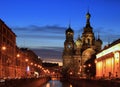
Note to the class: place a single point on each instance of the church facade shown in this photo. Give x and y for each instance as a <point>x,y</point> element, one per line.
<point>77,52</point>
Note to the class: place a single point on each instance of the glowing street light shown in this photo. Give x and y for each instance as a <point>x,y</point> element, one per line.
<point>35,64</point>
<point>71,73</point>
<point>84,66</point>
<point>18,55</point>
<point>89,65</point>
<point>26,60</point>
<point>3,48</point>
<point>95,61</point>
<point>31,63</point>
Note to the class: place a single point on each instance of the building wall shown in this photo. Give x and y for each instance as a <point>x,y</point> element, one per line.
<point>7,52</point>
<point>108,62</point>
<point>12,65</point>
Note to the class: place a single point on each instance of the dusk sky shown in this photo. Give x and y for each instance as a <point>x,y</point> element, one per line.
<point>42,23</point>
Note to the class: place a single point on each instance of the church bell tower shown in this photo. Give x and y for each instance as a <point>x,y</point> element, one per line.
<point>88,38</point>
<point>68,48</point>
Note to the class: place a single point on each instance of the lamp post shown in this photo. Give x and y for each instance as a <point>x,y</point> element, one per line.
<point>16,64</point>
<point>3,48</point>
<point>26,60</point>
<point>5,61</point>
<point>8,61</point>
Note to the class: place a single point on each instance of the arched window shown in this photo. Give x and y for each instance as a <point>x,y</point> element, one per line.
<point>88,42</point>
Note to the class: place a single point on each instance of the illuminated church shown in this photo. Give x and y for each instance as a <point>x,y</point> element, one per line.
<point>77,52</point>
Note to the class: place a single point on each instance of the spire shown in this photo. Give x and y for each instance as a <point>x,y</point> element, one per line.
<point>99,38</point>
<point>79,36</point>
<point>69,28</point>
<point>69,23</point>
<point>98,35</point>
<point>88,27</point>
<point>88,19</point>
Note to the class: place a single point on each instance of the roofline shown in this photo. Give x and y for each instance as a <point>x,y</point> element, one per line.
<point>7,26</point>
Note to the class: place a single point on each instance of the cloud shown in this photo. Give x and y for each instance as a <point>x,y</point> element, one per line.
<point>50,52</point>
<point>49,36</point>
<point>52,60</point>
<point>60,49</point>
<point>54,32</point>
<point>36,29</point>
<point>45,36</point>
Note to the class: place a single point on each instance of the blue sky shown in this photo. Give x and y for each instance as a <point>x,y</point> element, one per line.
<point>42,23</point>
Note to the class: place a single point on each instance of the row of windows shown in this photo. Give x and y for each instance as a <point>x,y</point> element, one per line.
<point>6,60</point>
<point>20,63</point>
<point>8,42</point>
<point>7,33</point>
<point>9,61</point>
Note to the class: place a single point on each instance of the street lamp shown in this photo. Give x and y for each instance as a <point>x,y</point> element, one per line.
<point>17,63</point>
<point>18,55</point>
<point>3,48</point>
<point>89,65</point>
<point>7,62</point>
<point>84,66</point>
<point>31,63</point>
<point>26,60</point>
<point>35,64</point>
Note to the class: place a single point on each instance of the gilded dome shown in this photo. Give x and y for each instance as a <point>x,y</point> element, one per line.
<point>88,15</point>
<point>78,42</point>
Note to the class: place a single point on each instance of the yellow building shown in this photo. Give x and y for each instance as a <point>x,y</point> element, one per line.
<point>108,61</point>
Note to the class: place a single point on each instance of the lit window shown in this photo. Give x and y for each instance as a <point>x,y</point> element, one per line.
<point>116,55</point>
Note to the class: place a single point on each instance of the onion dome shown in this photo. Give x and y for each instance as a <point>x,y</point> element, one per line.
<point>78,42</point>
<point>69,30</point>
<point>88,27</point>
<point>99,40</point>
<point>88,15</point>
<point>88,20</point>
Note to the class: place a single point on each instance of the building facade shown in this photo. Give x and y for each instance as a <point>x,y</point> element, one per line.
<point>7,50</point>
<point>32,63</point>
<point>108,61</point>
<point>16,62</point>
<point>76,53</point>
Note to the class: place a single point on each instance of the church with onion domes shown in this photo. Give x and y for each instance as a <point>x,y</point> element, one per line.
<point>77,52</point>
